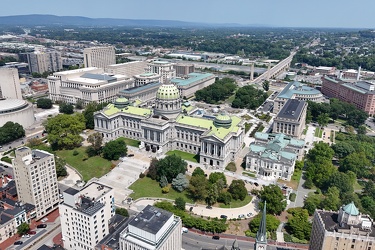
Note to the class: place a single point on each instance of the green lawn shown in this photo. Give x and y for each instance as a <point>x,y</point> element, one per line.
<point>131,142</point>
<point>184,155</point>
<point>231,167</point>
<point>147,187</point>
<point>237,203</point>
<point>230,98</point>
<point>247,126</point>
<point>88,167</point>
<point>318,132</point>
<point>305,130</point>
<point>249,174</point>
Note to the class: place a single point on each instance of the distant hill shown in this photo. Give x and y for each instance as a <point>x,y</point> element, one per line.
<point>35,20</point>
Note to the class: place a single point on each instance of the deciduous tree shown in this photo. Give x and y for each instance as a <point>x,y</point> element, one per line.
<point>170,166</point>
<point>114,149</point>
<point>276,202</point>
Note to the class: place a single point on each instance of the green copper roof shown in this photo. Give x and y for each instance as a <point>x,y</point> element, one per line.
<point>111,110</point>
<point>192,78</point>
<point>219,132</point>
<point>168,92</point>
<point>351,209</point>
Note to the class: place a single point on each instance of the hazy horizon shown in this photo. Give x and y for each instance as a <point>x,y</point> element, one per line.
<point>273,13</point>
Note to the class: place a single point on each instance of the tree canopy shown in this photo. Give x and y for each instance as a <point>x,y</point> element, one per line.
<point>276,202</point>
<point>88,113</point>
<point>298,224</point>
<point>113,150</point>
<point>238,190</point>
<point>11,131</point>
<point>249,97</point>
<point>218,91</point>
<point>63,130</point>
<point>170,166</point>
<point>180,183</point>
<point>271,223</point>
<point>44,103</point>
<point>66,108</point>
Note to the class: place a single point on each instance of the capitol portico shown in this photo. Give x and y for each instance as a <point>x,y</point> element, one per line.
<point>166,127</point>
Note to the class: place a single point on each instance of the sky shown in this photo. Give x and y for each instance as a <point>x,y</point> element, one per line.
<point>276,13</point>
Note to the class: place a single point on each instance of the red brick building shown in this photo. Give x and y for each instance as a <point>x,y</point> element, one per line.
<point>360,93</point>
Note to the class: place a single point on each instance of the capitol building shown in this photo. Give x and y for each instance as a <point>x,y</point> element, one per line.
<point>169,126</point>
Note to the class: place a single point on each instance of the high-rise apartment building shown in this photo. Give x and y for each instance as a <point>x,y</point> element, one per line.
<point>43,61</point>
<point>10,84</point>
<point>152,229</point>
<point>99,57</point>
<point>163,68</point>
<point>85,215</point>
<point>36,181</point>
<point>346,229</point>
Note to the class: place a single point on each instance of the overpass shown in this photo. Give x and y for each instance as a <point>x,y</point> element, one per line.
<point>276,70</point>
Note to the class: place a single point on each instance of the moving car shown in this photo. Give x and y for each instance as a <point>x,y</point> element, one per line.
<point>216,237</point>
<point>209,207</point>
<point>223,216</point>
<point>41,226</point>
<point>18,242</point>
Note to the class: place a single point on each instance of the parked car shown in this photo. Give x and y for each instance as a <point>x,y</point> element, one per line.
<point>216,237</point>
<point>41,226</point>
<point>209,207</point>
<point>31,232</point>
<point>241,216</point>
<point>184,230</point>
<point>18,242</point>
<point>250,215</point>
<point>223,216</point>
<point>130,155</point>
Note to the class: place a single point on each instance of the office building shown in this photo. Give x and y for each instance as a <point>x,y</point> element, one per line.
<point>272,156</point>
<point>99,57</point>
<point>145,94</point>
<point>10,87</point>
<point>36,181</point>
<point>184,69</point>
<point>163,68</point>
<point>86,85</point>
<point>128,69</point>
<point>360,93</point>
<point>346,229</point>
<point>165,127</point>
<point>193,82</point>
<point>298,91</point>
<point>291,120</point>
<point>85,215</point>
<point>152,229</point>
<point>146,78</point>
<point>44,61</point>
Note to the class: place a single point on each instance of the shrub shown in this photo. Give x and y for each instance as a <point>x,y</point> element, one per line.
<point>141,175</point>
<point>165,190</point>
<point>75,152</point>
<point>6,159</point>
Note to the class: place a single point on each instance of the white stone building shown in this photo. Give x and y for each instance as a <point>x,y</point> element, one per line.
<point>16,110</point>
<point>36,180</point>
<point>192,83</point>
<point>163,68</point>
<point>99,57</point>
<point>146,78</point>
<point>86,85</point>
<point>85,214</point>
<point>168,127</point>
<point>272,156</point>
<point>128,69</point>
<point>152,229</point>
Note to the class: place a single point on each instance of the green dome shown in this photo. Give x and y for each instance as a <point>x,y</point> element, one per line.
<point>121,102</point>
<point>351,209</point>
<point>168,92</point>
<point>223,120</point>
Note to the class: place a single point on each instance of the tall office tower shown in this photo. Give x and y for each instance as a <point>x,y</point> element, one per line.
<point>43,61</point>
<point>85,214</point>
<point>99,57</point>
<point>152,229</point>
<point>346,229</point>
<point>10,84</point>
<point>184,69</point>
<point>36,181</point>
<point>163,68</point>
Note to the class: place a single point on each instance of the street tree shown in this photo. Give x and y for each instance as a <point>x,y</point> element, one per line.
<point>23,228</point>
<point>323,119</point>
<point>276,202</point>
<point>113,150</point>
<point>63,131</point>
<point>272,223</point>
<point>44,103</point>
<point>266,85</point>
<point>180,183</point>
<point>122,211</point>
<point>170,166</point>
<point>298,224</point>
<point>238,190</point>
<point>180,203</point>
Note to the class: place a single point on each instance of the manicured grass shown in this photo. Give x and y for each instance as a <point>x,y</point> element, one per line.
<point>249,174</point>
<point>246,117</point>
<point>293,183</point>
<point>305,130</point>
<point>357,186</point>
<point>231,167</point>
<point>184,155</point>
<point>88,167</point>
<point>269,92</point>
<point>260,129</point>
<point>146,187</point>
<point>237,203</point>
<point>131,142</point>
<point>231,98</point>
<point>247,126</point>
<point>318,132</point>
<point>332,136</point>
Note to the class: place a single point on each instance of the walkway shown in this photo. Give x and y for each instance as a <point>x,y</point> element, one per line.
<point>72,177</point>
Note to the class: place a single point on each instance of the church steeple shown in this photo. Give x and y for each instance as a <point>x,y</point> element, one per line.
<point>261,240</point>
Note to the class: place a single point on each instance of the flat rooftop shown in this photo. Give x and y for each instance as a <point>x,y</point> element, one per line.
<point>95,190</point>
<point>151,219</point>
<point>292,109</point>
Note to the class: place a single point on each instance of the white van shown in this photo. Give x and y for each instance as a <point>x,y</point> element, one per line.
<point>184,230</point>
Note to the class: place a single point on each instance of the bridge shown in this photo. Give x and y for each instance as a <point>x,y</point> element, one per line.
<point>276,70</point>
